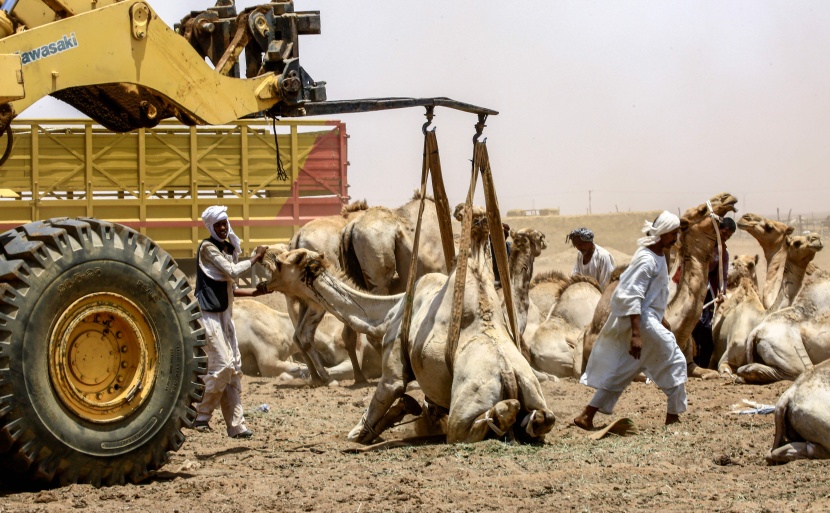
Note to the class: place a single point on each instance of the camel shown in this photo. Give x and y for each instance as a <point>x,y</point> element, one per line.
<point>376,248</point>
<point>791,340</point>
<point>802,419</point>
<point>772,236</point>
<point>744,312</point>
<point>323,236</point>
<point>545,289</point>
<point>552,347</point>
<point>737,315</point>
<point>527,245</point>
<point>588,336</point>
<point>696,244</point>
<point>266,344</point>
<point>488,386</point>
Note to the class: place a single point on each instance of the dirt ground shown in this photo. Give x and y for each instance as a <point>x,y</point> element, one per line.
<point>712,461</point>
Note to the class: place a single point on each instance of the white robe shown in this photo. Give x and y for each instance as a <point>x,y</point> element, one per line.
<point>599,266</point>
<point>643,290</point>
<point>223,380</point>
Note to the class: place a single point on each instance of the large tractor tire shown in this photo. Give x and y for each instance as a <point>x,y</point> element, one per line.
<point>100,353</point>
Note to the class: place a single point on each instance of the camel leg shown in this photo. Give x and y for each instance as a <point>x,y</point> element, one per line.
<point>406,405</point>
<point>282,369</point>
<point>391,386</point>
<point>350,341</point>
<point>760,374</point>
<point>694,371</point>
<point>304,332</point>
<point>498,419</point>
<point>797,451</point>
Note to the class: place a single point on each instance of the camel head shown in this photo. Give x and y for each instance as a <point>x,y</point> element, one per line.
<point>722,204</point>
<point>528,241</point>
<point>801,249</point>
<point>293,269</point>
<point>742,266</point>
<point>767,232</point>
<point>481,230</point>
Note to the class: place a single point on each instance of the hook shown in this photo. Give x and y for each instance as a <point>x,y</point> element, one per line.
<point>479,127</point>
<point>429,115</point>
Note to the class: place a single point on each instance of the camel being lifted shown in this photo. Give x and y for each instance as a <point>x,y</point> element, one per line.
<point>489,387</point>
<point>802,419</point>
<point>323,236</point>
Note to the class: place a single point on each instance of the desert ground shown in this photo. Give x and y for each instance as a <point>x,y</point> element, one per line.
<point>299,459</point>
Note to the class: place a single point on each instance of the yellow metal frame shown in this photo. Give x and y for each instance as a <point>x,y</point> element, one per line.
<point>160,180</point>
<point>103,46</point>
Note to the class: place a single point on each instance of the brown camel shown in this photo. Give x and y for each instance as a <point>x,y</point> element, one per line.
<point>323,236</point>
<point>772,236</point>
<point>376,247</point>
<point>737,316</point>
<point>490,386</point>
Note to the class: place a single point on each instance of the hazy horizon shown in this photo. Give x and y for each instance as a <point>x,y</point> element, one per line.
<point>647,104</point>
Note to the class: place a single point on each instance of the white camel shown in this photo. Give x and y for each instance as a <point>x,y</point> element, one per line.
<point>802,419</point>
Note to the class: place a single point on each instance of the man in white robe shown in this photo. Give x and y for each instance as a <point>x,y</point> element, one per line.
<point>218,269</point>
<point>592,259</point>
<point>636,337</point>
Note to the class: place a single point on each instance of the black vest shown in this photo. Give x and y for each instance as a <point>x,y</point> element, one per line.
<point>211,294</point>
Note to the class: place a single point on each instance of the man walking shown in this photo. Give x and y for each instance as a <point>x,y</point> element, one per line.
<point>636,336</point>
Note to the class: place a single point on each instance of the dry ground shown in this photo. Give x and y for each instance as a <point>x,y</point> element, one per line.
<point>712,461</point>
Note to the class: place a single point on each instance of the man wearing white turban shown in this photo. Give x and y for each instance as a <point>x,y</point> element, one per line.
<point>636,337</point>
<point>216,273</point>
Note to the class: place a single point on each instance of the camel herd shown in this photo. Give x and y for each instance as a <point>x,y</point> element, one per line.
<point>344,280</point>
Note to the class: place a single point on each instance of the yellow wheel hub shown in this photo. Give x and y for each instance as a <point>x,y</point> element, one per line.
<point>102,357</point>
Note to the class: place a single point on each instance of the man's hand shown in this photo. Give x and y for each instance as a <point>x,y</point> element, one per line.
<point>259,253</point>
<point>720,298</point>
<point>636,346</point>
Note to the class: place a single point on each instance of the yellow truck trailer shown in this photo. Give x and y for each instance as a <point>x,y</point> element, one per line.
<point>159,180</point>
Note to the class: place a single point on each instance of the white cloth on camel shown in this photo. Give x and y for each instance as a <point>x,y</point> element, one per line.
<point>643,290</point>
<point>600,266</point>
<point>664,223</point>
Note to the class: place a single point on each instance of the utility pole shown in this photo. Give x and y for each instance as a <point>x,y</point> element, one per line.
<point>589,201</point>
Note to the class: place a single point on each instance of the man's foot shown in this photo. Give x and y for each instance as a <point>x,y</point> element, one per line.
<point>245,434</point>
<point>672,418</point>
<point>202,426</point>
<point>584,423</point>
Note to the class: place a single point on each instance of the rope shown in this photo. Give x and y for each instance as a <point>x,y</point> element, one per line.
<point>527,423</point>
<point>490,423</point>
<point>281,174</point>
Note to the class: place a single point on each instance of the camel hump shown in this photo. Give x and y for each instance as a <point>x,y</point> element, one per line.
<point>349,261</point>
<point>617,272</point>
<point>355,206</point>
<point>552,276</point>
<point>582,278</point>
<point>416,196</point>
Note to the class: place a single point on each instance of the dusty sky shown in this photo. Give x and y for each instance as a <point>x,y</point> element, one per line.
<point>649,104</point>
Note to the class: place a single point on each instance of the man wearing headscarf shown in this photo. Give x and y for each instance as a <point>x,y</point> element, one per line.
<point>718,274</point>
<point>592,260</point>
<point>216,273</point>
<point>636,337</point>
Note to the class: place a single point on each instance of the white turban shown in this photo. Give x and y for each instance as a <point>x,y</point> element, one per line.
<point>213,215</point>
<point>665,223</point>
